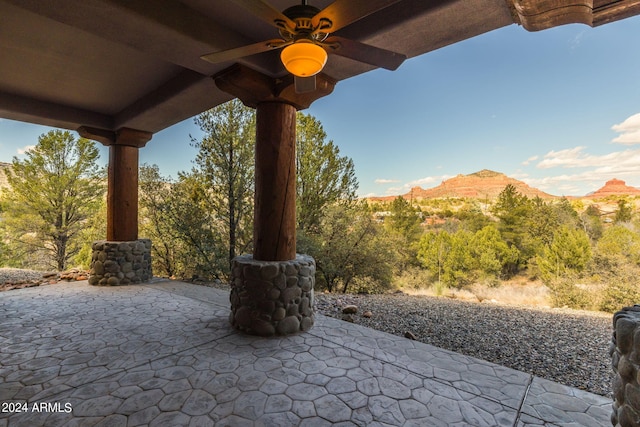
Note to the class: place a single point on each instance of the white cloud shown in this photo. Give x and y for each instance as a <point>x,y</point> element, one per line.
<point>386,181</point>
<point>26,148</point>
<point>597,169</point>
<point>364,196</point>
<point>629,131</point>
<point>428,181</point>
<point>395,190</point>
<point>530,159</point>
<point>577,158</point>
<point>581,183</point>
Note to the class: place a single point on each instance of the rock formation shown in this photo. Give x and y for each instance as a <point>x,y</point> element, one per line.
<point>485,184</point>
<point>614,187</point>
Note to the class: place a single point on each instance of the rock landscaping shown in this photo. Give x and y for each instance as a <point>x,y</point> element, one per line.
<point>16,278</point>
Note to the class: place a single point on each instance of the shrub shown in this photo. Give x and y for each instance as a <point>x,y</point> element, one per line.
<point>412,278</point>
<point>619,293</point>
<point>368,285</point>
<point>565,293</point>
<point>440,288</point>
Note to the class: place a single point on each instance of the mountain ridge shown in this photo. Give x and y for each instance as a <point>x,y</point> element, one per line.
<point>488,184</point>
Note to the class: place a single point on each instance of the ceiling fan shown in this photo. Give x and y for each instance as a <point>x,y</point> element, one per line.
<point>305,38</point>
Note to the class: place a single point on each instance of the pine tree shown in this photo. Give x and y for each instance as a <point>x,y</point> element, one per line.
<point>225,164</point>
<point>323,176</point>
<point>54,192</point>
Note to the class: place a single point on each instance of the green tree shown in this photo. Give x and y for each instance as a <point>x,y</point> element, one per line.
<point>54,191</point>
<point>472,218</point>
<point>323,176</point>
<point>433,250</point>
<point>619,244</point>
<point>541,224</point>
<point>348,250</point>
<point>404,219</point>
<point>568,254</point>
<point>198,230</point>
<point>95,229</point>
<point>561,263</point>
<point>566,214</point>
<point>591,223</point>
<point>493,257</point>
<point>514,210</point>
<point>188,238</point>
<point>624,212</point>
<point>616,264</point>
<point>225,165</point>
<point>156,220</point>
<point>459,263</point>
<point>403,228</point>
<point>543,221</point>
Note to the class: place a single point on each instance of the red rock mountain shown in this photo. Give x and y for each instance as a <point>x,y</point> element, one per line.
<point>485,184</point>
<point>614,187</point>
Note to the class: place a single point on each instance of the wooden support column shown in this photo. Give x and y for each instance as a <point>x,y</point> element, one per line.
<point>276,102</point>
<point>122,189</point>
<point>122,194</point>
<point>274,236</point>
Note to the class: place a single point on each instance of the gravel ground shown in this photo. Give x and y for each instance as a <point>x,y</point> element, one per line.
<point>15,275</point>
<point>565,346</point>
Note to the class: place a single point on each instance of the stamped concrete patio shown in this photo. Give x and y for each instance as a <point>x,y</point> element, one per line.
<point>163,354</point>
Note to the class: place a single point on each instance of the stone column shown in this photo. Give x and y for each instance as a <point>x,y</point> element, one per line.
<point>272,291</point>
<point>625,359</point>
<point>122,258</point>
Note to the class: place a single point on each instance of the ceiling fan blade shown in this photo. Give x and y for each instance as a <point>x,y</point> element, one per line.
<point>344,12</point>
<point>365,53</point>
<point>266,12</point>
<point>239,52</point>
<point>305,84</point>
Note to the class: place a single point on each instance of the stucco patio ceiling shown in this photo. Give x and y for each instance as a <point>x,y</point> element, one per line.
<point>112,64</point>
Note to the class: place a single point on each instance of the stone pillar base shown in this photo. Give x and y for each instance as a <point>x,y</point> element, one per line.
<point>120,263</point>
<point>272,297</point>
<point>625,358</point>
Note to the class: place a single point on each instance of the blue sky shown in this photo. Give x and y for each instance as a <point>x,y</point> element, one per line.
<point>558,109</point>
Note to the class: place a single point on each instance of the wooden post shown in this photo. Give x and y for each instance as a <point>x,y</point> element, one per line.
<point>275,183</point>
<point>122,183</point>
<point>122,194</point>
<point>276,102</point>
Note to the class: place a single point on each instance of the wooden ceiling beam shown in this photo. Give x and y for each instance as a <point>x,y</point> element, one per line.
<point>164,29</point>
<point>536,15</point>
<point>252,87</point>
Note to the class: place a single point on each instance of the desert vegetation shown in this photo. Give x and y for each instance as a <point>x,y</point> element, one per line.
<point>557,252</point>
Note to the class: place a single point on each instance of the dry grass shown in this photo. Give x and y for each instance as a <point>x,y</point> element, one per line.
<point>519,291</point>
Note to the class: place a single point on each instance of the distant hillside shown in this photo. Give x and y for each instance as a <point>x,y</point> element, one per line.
<point>3,176</point>
<point>614,187</point>
<point>485,184</point>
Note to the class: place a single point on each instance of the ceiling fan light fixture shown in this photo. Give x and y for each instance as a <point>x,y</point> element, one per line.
<point>303,58</point>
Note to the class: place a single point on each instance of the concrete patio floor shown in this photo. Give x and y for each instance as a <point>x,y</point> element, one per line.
<point>163,354</point>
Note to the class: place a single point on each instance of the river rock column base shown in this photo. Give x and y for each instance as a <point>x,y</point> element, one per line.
<point>120,263</point>
<point>625,358</point>
<point>272,297</point>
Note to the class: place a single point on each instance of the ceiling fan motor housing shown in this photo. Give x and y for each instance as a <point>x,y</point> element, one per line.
<point>301,14</point>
